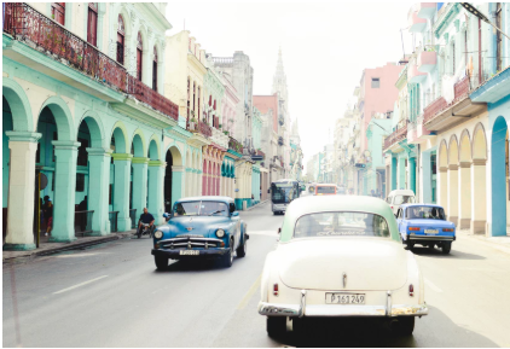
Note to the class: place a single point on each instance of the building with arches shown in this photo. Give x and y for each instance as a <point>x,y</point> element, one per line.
<point>84,110</point>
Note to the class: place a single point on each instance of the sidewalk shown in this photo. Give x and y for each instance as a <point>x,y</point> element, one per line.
<point>257,205</point>
<point>48,248</point>
<point>501,243</point>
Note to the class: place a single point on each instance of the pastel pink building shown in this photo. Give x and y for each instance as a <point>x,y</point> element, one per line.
<point>229,105</point>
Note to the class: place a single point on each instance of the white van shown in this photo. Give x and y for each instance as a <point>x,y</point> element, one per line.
<point>399,197</point>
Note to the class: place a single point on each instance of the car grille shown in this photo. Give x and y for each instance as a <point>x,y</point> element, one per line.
<point>190,242</point>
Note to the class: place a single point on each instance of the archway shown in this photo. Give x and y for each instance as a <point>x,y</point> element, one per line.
<point>443,174</point>
<point>139,168</point>
<point>499,164</point>
<point>156,176</point>
<point>7,125</point>
<point>465,181</point>
<point>120,179</point>
<point>173,177</point>
<point>478,183</point>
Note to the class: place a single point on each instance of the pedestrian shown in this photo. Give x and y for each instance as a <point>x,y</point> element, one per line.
<point>49,215</point>
<point>83,215</point>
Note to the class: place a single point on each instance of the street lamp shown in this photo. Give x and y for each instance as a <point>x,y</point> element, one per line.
<point>470,8</point>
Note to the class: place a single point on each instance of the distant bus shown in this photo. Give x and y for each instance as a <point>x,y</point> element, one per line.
<point>283,191</point>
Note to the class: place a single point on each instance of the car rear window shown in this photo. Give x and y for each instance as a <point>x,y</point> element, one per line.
<point>326,190</point>
<point>403,199</point>
<point>341,224</point>
<point>424,212</point>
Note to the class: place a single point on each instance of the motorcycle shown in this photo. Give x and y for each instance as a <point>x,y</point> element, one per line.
<point>144,229</point>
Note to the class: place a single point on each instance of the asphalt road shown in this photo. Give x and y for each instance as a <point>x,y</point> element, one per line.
<point>112,296</point>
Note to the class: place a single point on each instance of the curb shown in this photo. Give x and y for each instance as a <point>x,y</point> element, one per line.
<point>257,205</point>
<point>71,246</point>
<point>482,239</point>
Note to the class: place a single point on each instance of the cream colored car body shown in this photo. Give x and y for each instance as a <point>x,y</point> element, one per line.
<point>305,269</point>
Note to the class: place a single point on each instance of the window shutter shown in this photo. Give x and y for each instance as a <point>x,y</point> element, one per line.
<point>92,24</point>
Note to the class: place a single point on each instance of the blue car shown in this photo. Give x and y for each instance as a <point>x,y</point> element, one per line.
<point>201,228</point>
<point>425,225</point>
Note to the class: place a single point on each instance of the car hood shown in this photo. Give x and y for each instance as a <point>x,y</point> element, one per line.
<point>370,264</point>
<point>205,226</point>
<point>436,223</point>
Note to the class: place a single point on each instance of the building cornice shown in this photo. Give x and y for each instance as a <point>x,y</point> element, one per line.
<point>446,19</point>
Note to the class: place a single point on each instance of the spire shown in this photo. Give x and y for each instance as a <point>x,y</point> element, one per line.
<point>279,78</point>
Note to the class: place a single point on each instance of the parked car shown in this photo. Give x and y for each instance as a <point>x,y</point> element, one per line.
<point>340,256</point>
<point>325,189</point>
<point>425,225</point>
<point>399,197</point>
<point>201,227</point>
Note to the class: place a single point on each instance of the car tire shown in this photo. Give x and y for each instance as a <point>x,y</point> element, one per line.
<point>228,258</point>
<point>241,250</point>
<point>405,326</point>
<point>161,262</point>
<point>446,247</point>
<point>276,326</point>
<point>410,245</point>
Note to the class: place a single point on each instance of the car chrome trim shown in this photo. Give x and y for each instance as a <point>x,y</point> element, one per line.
<point>388,303</point>
<point>431,237</point>
<point>303,303</point>
<point>272,309</point>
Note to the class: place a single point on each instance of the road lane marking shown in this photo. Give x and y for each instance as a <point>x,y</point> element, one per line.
<point>250,293</point>
<point>80,285</point>
<point>432,286</point>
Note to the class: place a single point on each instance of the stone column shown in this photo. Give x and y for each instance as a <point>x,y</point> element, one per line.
<point>452,210</point>
<point>66,153</point>
<point>156,190</point>
<point>442,187</point>
<point>465,196</point>
<point>140,178</point>
<point>426,182</point>
<point>412,175</point>
<point>401,173</point>
<point>20,203</point>
<point>98,196</point>
<point>177,173</point>
<point>199,181</point>
<point>478,197</point>
<point>122,168</point>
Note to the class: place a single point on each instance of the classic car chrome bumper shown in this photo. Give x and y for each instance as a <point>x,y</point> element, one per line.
<point>430,238</point>
<point>300,310</point>
<point>176,254</point>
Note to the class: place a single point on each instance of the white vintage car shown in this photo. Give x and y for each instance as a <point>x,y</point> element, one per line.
<point>340,256</point>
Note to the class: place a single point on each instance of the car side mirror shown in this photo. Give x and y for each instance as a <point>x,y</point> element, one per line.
<point>235,213</point>
<point>279,230</point>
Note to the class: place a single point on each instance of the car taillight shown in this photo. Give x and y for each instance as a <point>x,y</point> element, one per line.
<point>275,289</point>
<point>414,228</point>
<point>391,207</point>
<point>448,229</point>
<point>411,290</point>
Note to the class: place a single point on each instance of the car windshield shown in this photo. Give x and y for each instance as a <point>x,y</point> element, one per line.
<point>326,190</point>
<point>282,194</point>
<point>424,212</point>
<point>200,208</point>
<point>403,199</point>
<point>341,224</point>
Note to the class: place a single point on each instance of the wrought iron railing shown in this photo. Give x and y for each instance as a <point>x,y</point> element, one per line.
<point>461,89</point>
<point>397,136</point>
<point>233,144</point>
<point>280,140</point>
<point>83,222</point>
<point>430,111</point>
<point>26,24</point>
<point>204,129</point>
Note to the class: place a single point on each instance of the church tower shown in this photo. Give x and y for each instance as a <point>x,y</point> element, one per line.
<point>279,79</point>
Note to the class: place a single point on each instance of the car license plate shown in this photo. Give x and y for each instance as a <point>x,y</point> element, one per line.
<point>189,253</point>
<point>345,298</point>
<point>431,231</point>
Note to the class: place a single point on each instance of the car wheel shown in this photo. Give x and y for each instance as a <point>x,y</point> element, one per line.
<point>410,245</point>
<point>405,325</point>
<point>228,258</point>
<point>241,250</point>
<point>447,247</point>
<point>161,262</point>
<point>276,326</point>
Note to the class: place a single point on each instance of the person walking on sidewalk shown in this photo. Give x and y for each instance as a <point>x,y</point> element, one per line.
<point>49,216</point>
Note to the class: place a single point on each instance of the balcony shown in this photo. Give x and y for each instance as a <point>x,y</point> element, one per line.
<point>25,24</point>
<point>219,138</point>
<point>280,140</point>
<point>234,145</point>
<point>413,74</point>
<point>426,10</point>
<point>281,120</point>
<point>416,24</point>
<point>397,136</point>
<point>434,108</point>
<point>427,61</point>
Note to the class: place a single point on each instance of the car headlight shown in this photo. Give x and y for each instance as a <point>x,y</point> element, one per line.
<point>158,234</point>
<point>220,233</point>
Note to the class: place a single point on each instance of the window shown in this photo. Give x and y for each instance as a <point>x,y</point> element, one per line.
<point>425,212</point>
<point>194,94</point>
<point>198,102</point>
<point>188,104</point>
<point>338,224</point>
<point>139,58</point>
<point>92,24</point>
<point>82,152</point>
<point>453,58</point>
<point>404,199</point>
<point>80,182</point>
<point>58,12</point>
<point>120,40</point>
<point>375,83</point>
<point>155,70</point>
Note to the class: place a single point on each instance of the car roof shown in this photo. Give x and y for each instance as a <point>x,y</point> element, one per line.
<point>225,199</point>
<point>353,203</point>
<point>420,205</point>
<point>402,191</point>
<point>326,185</point>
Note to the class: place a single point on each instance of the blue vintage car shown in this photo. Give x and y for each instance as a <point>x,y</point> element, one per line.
<point>201,227</point>
<point>425,225</point>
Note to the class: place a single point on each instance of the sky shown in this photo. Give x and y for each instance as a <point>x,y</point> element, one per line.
<point>325,47</point>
